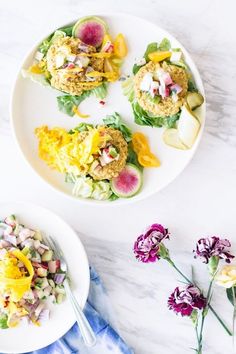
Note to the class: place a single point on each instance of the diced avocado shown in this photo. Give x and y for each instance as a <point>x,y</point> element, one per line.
<point>59,298</point>
<point>25,251</point>
<point>51,283</point>
<point>194,99</point>
<point>38,236</point>
<point>40,294</point>
<point>60,289</point>
<point>47,256</point>
<point>42,272</point>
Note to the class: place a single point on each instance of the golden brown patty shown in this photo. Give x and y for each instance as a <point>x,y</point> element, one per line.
<point>113,168</point>
<point>166,107</point>
<point>68,80</point>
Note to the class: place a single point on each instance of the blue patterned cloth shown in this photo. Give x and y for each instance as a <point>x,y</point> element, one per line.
<point>99,313</point>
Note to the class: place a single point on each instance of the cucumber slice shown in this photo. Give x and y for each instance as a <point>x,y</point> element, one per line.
<point>171,138</point>
<point>128,183</point>
<point>194,100</point>
<point>90,30</point>
<point>188,126</point>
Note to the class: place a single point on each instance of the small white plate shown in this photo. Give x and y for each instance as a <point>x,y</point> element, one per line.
<point>26,338</point>
<point>33,106</point>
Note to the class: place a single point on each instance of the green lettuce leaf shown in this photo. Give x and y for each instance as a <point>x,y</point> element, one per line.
<point>133,158</point>
<point>128,89</point>
<point>67,30</point>
<point>101,91</point>
<point>165,45</point>
<point>38,78</point>
<point>82,127</point>
<point>141,117</point>
<point>3,322</point>
<point>66,103</point>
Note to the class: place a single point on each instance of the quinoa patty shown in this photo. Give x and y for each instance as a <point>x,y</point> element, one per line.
<point>113,168</point>
<point>166,107</point>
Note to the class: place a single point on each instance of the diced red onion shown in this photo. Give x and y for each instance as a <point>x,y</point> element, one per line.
<point>59,278</point>
<point>4,244</point>
<point>176,88</point>
<point>44,315</point>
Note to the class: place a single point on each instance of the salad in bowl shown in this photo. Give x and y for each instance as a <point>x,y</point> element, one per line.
<point>79,60</point>
<point>102,162</point>
<point>30,275</point>
<point>162,93</point>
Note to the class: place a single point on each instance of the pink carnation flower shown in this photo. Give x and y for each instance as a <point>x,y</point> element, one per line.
<point>147,245</point>
<point>184,300</point>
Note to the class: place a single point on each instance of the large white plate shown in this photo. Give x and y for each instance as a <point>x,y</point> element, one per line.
<point>27,338</point>
<point>33,106</point>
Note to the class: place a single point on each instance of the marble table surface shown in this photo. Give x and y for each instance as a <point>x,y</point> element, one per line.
<point>201,201</point>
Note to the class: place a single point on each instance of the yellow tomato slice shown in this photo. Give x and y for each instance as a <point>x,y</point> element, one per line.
<point>159,56</point>
<point>120,47</point>
<point>148,160</point>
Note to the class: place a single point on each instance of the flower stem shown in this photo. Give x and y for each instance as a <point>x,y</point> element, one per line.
<point>209,305</point>
<point>205,310</point>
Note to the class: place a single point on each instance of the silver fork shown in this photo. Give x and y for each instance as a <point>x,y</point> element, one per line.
<point>84,326</point>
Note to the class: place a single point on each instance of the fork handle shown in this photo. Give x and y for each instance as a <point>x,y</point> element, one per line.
<point>84,326</point>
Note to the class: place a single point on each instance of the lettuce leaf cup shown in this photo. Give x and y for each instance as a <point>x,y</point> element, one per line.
<point>162,93</point>
<point>79,60</point>
<point>101,162</point>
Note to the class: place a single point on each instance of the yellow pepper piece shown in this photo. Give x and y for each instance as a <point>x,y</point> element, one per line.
<point>159,56</point>
<point>148,159</point>
<point>110,76</point>
<point>108,67</point>
<point>145,157</point>
<point>120,47</point>
<point>18,286</point>
<point>99,55</point>
<point>107,38</point>
<point>78,113</point>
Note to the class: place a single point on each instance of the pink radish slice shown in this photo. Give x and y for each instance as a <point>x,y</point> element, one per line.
<point>91,34</point>
<point>90,30</point>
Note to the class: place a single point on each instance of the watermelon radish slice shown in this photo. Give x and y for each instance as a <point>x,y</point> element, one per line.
<point>90,30</point>
<point>128,183</point>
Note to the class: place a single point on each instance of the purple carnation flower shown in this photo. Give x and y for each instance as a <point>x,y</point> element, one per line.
<point>213,246</point>
<point>146,246</point>
<point>185,300</point>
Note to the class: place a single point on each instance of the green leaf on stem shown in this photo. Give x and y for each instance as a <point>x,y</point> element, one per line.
<point>213,265</point>
<point>194,317</point>
<point>230,292</point>
<point>163,251</point>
